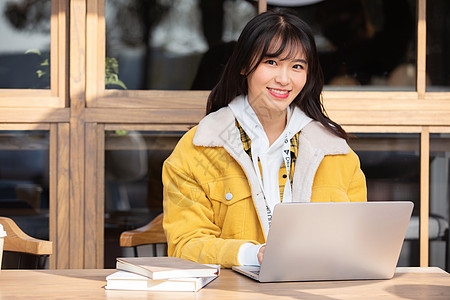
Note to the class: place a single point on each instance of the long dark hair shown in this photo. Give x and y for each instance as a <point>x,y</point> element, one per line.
<point>289,31</point>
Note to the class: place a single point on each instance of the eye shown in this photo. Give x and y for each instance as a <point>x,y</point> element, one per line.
<point>298,67</point>
<point>271,62</point>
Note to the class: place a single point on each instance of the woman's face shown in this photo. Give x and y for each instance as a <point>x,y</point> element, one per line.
<point>275,83</point>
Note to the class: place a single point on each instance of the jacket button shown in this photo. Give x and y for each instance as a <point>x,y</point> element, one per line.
<point>229,196</point>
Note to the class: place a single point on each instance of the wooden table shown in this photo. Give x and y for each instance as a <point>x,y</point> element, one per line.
<point>408,283</point>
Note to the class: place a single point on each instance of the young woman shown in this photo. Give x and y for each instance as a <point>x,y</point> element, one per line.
<point>266,139</point>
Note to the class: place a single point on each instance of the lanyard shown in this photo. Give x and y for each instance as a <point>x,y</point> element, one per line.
<point>287,195</point>
<point>286,154</point>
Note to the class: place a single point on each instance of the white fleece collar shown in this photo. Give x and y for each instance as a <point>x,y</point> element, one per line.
<point>218,128</point>
<point>247,118</point>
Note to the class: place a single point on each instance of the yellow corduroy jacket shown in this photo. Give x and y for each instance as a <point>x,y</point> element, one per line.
<point>213,202</point>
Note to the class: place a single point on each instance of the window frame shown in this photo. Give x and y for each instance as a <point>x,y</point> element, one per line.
<point>55,97</point>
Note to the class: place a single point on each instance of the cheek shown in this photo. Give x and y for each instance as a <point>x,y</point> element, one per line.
<point>255,82</point>
<point>301,81</point>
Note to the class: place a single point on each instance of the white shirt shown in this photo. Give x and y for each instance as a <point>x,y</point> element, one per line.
<point>270,158</point>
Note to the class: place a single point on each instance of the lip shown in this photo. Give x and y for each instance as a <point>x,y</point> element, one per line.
<point>279,93</point>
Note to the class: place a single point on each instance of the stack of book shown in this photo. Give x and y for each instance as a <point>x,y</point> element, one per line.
<point>160,274</point>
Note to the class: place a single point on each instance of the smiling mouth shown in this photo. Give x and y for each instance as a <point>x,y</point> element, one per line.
<point>279,93</point>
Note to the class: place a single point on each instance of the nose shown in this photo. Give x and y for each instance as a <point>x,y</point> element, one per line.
<point>282,76</point>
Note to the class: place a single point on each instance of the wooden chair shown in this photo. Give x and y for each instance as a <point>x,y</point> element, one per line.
<point>150,234</point>
<point>18,241</point>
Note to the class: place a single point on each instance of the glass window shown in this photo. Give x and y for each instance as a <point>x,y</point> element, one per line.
<point>25,57</point>
<point>439,198</point>
<point>171,44</point>
<point>438,46</point>
<point>391,163</point>
<point>24,184</point>
<point>363,44</point>
<point>184,44</point>
<point>133,185</point>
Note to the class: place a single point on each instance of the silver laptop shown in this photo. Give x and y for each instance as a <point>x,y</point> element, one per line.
<point>333,241</point>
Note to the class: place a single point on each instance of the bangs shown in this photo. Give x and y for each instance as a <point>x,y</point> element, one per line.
<point>283,42</point>
<point>284,48</point>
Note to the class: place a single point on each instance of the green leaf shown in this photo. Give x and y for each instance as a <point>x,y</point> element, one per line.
<point>33,51</point>
<point>40,73</point>
<point>112,73</point>
<point>121,132</point>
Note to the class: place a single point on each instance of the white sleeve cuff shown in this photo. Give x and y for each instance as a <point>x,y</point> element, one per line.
<point>248,254</point>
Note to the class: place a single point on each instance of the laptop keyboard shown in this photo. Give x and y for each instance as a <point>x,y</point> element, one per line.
<point>255,272</point>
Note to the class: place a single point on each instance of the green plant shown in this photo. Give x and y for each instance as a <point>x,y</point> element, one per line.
<point>42,68</point>
<point>45,65</point>
<point>112,73</point>
<point>112,79</point>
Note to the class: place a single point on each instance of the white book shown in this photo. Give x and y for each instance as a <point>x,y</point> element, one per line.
<point>123,280</point>
<point>165,267</point>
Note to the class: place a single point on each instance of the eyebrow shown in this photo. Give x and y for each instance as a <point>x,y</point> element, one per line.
<point>296,60</point>
<point>300,61</point>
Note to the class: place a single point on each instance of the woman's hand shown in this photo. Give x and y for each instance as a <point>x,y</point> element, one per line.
<point>261,253</point>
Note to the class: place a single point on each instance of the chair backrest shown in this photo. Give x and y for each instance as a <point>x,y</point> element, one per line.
<point>152,233</point>
<point>18,241</point>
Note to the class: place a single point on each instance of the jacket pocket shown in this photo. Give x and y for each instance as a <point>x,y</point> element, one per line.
<point>231,199</point>
<point>229,191</point>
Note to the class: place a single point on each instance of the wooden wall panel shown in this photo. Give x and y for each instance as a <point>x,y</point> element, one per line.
<point>425,136</point>
<point>151,99</point>
<point>92,215</point>
<point>77,133</point>
<point>94,148</point>
<point>59,194</point>
<point>390,118</point>
<point>101,46</point>
<point>262,6</point>
<point>93,72</point>
<point>421,47</point>
<point>424,195</point>
<point>53,192</point>
<point>100,200</point>
<point>440,129</point>
<point>28,98</point>
<point>149,127</point>
<point>382,129</point>
<point>33,115</point>
<point>25,126</point>
<point>146,116</point>
<point>63,53</point>
<point>62,199</point>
